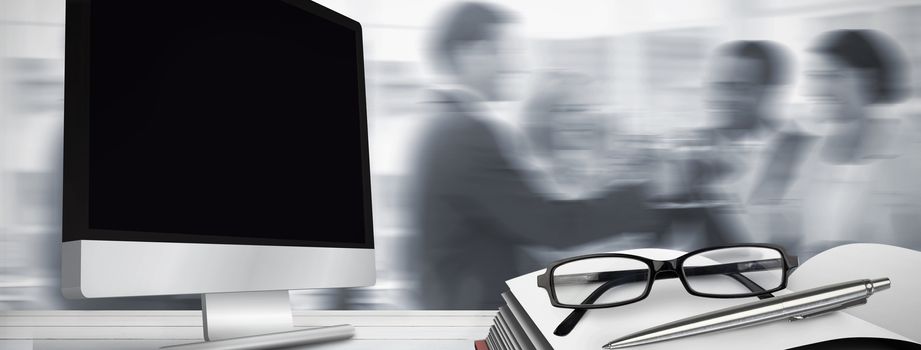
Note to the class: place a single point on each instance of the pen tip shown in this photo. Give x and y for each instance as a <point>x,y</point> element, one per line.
<point>879,284</point>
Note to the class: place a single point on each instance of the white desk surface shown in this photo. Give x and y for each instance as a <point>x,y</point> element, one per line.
<point>130,330</point>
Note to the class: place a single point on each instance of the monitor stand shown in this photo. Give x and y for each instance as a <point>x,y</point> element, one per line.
<point>256,320</point>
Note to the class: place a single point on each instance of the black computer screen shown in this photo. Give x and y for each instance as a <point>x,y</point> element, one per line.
<point>239,122</point>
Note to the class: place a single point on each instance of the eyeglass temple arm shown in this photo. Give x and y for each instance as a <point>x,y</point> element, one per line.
<point>570,322</point>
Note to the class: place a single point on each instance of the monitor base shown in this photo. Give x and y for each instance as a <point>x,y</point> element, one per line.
<point>256,320</point>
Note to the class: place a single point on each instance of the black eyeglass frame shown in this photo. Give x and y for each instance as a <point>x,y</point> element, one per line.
<point>666,269</point>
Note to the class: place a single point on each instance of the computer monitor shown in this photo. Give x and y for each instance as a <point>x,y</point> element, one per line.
<point>214,147</point>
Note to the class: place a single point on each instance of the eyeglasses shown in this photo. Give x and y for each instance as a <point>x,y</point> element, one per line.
<point>607,280</point>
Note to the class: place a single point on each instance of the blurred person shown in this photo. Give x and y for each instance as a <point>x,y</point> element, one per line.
<point>477,201</point>
<point>567,136</point>
<point>745,81</point>
<point>578,149</point>
<point>742,167</point>
<point>576,143</point>
<point>855,79</point>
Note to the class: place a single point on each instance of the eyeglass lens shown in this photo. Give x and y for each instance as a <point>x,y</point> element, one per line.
<point>602,280</point>
<point>734,271</point>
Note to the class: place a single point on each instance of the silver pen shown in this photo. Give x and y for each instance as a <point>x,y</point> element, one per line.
<point>793,306</point>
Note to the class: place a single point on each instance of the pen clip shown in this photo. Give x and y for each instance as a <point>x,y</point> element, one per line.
<point>832,309</point>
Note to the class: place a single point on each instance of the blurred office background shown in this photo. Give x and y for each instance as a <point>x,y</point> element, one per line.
<point>647,61</point>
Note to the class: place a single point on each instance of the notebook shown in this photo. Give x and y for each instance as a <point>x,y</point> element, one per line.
<point>891,314</point>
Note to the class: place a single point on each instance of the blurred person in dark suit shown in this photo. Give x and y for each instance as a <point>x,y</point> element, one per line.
<point>751,155</point>
<point>477,198</point>
<point>855,188</point>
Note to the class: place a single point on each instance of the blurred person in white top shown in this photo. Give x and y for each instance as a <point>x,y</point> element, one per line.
<point>854,181</point>
<point>574,141</point>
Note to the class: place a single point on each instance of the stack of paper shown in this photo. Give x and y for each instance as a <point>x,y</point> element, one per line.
<point>513,329</point>
<point>527,319</point>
